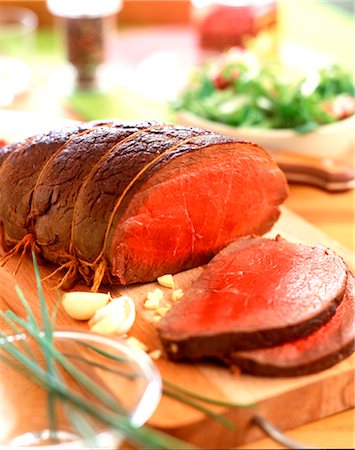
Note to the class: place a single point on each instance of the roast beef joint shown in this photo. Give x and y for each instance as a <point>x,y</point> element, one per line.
<point>125,203</point>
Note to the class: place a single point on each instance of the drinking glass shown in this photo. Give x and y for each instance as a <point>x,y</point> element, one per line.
<point>17,32</point>
<point>128,376</point>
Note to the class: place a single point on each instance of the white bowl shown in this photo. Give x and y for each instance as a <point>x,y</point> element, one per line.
<point>328,141</point>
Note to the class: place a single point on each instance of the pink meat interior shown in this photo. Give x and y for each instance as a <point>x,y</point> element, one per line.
<point>333,335</point>
<point>258,284</point>
<point>189,210</point>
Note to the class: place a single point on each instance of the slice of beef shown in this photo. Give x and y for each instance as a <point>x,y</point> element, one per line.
<point>189,204</point>
<point>19,173</point>
<point>255,293</point>
<point>58,185</point>
<point>107,182</point>
<point>320,350</point>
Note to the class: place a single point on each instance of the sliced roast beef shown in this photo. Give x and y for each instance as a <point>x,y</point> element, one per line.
<point>19,173</point>
<point>255,293</point>
<point>58,185</point>
<point>320,350</point>
<point>191,203</point>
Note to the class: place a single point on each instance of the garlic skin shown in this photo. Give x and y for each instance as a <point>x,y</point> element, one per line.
<point>83,305</point>
<point>117,317</point>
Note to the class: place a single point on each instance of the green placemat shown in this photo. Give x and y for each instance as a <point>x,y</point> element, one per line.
<point>121,103</point>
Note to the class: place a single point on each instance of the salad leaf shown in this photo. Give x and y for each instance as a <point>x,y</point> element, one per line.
<point>238,90</point>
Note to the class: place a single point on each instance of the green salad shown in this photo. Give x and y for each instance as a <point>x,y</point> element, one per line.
<point>237,89</point>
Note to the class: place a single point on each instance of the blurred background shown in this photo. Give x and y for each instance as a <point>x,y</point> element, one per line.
<point>127,58</point>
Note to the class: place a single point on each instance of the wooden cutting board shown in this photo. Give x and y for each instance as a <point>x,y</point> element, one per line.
<point>286,402</point>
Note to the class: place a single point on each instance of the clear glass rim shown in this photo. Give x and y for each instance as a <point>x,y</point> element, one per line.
<point>152,393</point>
<point>153,389</point>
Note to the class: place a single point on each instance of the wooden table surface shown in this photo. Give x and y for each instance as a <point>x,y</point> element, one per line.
<point>331,213</point>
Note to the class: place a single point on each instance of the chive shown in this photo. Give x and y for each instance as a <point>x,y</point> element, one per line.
<point>143,436</point>
<point>47,346</point>
<point>44,310</point>
<point>31,318</point>
<point>131,376</point>
<point>55,310</point>
<point>205,399</point>
<point>217,417</point>
<point>17,331</point>
<point>86,431</point>
<point>48,329</point>
<point>86,382</point>
<point>103,352</point>
<point>79,409</point>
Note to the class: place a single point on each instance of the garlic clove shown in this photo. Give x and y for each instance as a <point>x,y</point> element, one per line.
<point>134,342</point>
<point>166,281</point>
<point>83,305</point>
<point>156,319</point>
<point>155,354</point>
<point>117,317</point>
<point>162,310</point>
<point>155,295</point>
<point>107,325</point>
<point>177,295</point>
<point>152,303</point>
